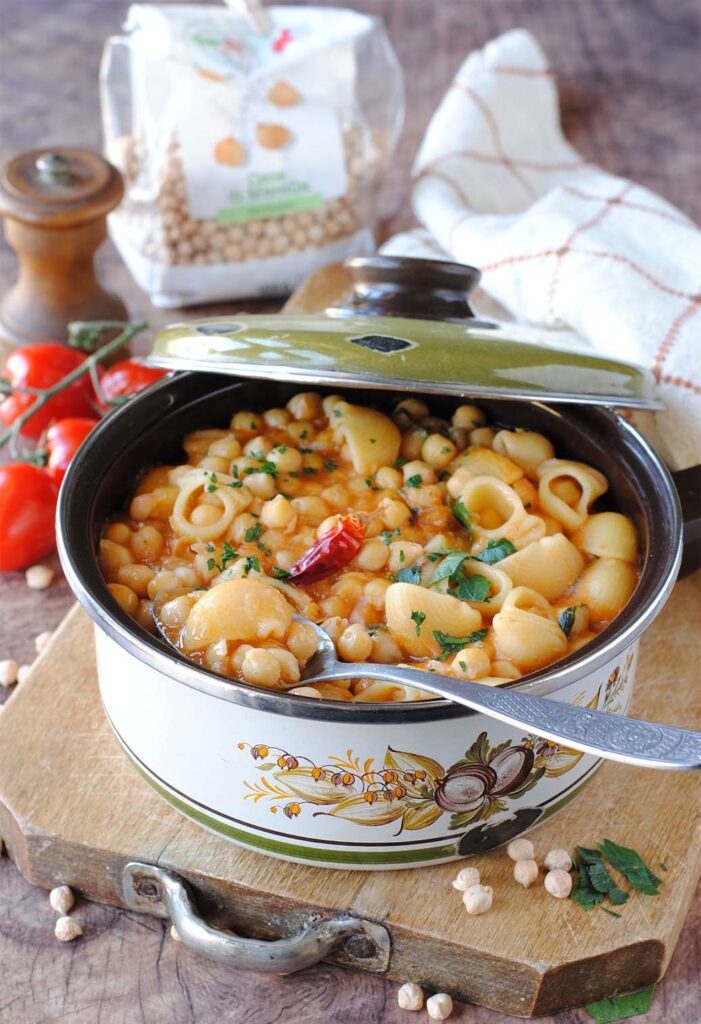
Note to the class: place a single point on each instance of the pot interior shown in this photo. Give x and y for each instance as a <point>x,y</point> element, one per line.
<point>147,431</point>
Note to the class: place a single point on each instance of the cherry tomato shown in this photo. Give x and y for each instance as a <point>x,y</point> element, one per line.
<point>128,377</point>
<point>332,551</point>
<point>40,366</point>
<point>63,441</point>
<point>27,508</point>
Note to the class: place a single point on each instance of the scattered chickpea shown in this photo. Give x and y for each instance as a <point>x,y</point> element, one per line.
<point>305,691</point>
<point>61,899</point>
<point>525,872</point>
<point>438,451</point>
<point>410,996</point>
<point>558,858</point>
<point>440,1006</point>
<point>261,667</point>
<point>558,883</point>
<point>478,899</point>
<point>8,672</point>
<point>465,879</point>
<point>354,643</point>
<point>22,672</point>
<point>39,577</point>
<point>521,849</point>
<point>67,929</point>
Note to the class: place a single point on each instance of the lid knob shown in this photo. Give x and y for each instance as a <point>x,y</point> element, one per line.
<point>408,287</point>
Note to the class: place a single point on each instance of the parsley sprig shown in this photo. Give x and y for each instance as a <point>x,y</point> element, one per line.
<point>453,644</point>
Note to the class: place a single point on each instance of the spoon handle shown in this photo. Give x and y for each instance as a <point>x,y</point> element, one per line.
<point>613,737</point>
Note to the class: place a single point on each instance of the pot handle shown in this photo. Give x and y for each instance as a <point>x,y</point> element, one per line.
<point>688,484</point>
<point>347,940</point>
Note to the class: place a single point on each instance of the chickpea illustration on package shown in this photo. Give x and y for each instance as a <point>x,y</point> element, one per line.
<point>249,159</point>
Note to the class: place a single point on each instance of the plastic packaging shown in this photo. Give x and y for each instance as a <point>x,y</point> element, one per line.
<point>250,160</point>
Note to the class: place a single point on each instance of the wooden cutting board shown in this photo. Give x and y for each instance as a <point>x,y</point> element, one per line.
<point>73,810</point>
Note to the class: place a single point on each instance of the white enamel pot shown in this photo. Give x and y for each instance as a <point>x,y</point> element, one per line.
<point>342,784</point>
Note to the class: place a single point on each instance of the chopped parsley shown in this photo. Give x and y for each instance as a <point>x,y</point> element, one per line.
<point>337,413</point>
<point>495,551</point>
<point>309,470</point>
<point>212,485</point>
<point>452,644</point>
<point>228,554</point>
<point>253,533</point>
<point>401,461</point>
<point>264,466</point>
<point>414,481</point>
<point>566,619</point>
<point>470,588</point>
<point>387,535</point>
<point>595,883</point>
<point>418,618</point>
<point>462,515</point>
<point>330,465</point>
<point>280,574</point>
<point>632,867</point>
<point>409,574</point>
<point>251,563</point>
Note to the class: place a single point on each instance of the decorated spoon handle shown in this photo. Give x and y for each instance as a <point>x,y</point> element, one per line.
<point>613,737</point>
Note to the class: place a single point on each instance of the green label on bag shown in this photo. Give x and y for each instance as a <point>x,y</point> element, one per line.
<point>272,208</point>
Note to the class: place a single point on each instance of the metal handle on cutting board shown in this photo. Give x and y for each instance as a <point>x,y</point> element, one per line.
<point>345,939</point>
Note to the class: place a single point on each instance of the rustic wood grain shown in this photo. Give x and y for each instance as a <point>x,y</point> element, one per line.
<point>628,73</point>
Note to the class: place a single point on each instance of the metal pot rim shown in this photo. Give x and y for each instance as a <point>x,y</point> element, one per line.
<point>153,652</point>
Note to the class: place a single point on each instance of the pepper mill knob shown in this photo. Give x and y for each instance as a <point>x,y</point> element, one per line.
<point>55,204</point>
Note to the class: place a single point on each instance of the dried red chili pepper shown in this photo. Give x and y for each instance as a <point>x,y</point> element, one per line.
<point>331,552</point>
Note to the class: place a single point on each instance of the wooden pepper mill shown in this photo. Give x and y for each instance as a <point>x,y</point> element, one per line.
<point>55,203</point>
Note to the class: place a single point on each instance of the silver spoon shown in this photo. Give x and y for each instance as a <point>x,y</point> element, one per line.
<point>613,737</point>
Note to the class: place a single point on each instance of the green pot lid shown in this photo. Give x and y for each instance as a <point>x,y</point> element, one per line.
<point>467,358</point>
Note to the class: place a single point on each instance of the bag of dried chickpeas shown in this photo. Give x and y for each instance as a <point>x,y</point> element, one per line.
<point>250,157</point>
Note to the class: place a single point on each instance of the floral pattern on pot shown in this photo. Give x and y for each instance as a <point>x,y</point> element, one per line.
<point>409,788</point>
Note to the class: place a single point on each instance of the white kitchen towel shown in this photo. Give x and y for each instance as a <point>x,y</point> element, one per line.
<point>560,243</point>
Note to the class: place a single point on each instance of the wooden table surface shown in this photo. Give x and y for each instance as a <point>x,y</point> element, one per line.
<point>628,74</point>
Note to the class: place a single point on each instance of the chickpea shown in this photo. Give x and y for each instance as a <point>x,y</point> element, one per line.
<point>113,556</point>
<point>147,543</point>
<point>261,667</point>
<point>388,478</point>
<point>118,532</point>
<point>214,463</point>
<point>125,597</point>
<point>277,418</point>
<point>248,424</point>
<point>216,656</point>
<point>261,484</point>
<point>326,525</point>
<point>257,447</point>
<point>329,403</point>
<point>301,432</point>
<point>471,663</point>
<point>205,514</point>
<point>286,459</point>
<point>395,514</point>
<point>521,849</point>
<point>302,641</point>
<point>306,405</point>
<point>526,872</point>
<point>558,883</point>
<point>413,407</point>
<point>373,555</point>
<point>174,613</point>
<point>337,496</point>
<point>285,559</point>
<point>466,878</point>
<point>482,437</point>
<point>332,606</point>
<point>385,649</point>
<point>410,997</point>
<point>225,447</point>
<point>163,582</point>
<point>438,451</point>
<point>440,1006</point>
<point>374,592</point>
<point>144,616</point>
<point>558,858</point>
<point>429,496</point>
<point>420,469</point>
<point>236,659</point>
<point>289,666</point>
<point>478,899</point>
<point>312,508</point>
<point>137,577</point>
<point>460,436</point>
<point>354,643</point>
<point>278,514</point>
<point>468,416</point>
<point>403,553</point>
<point>412,443</point>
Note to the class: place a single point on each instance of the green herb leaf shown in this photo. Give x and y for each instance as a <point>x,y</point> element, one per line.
<point>418,618</point>
<point>212,485</point>
<point>414,481</point>
<point>462,514</point>
<point>251,563</point>
<point>309,470</point>
<point>228,554</point>
<point>495,551</point>
<point>409,574</point>
<point>452,644</point>
<point>280,574</point>
<point>330,465</point>
<point>566,619</point>
<point>449,566</point>
<point>607,1011</point>
<point>253,533</point>
<point>632,867</point>
<point>473,588</point>
<point>387,535</point>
